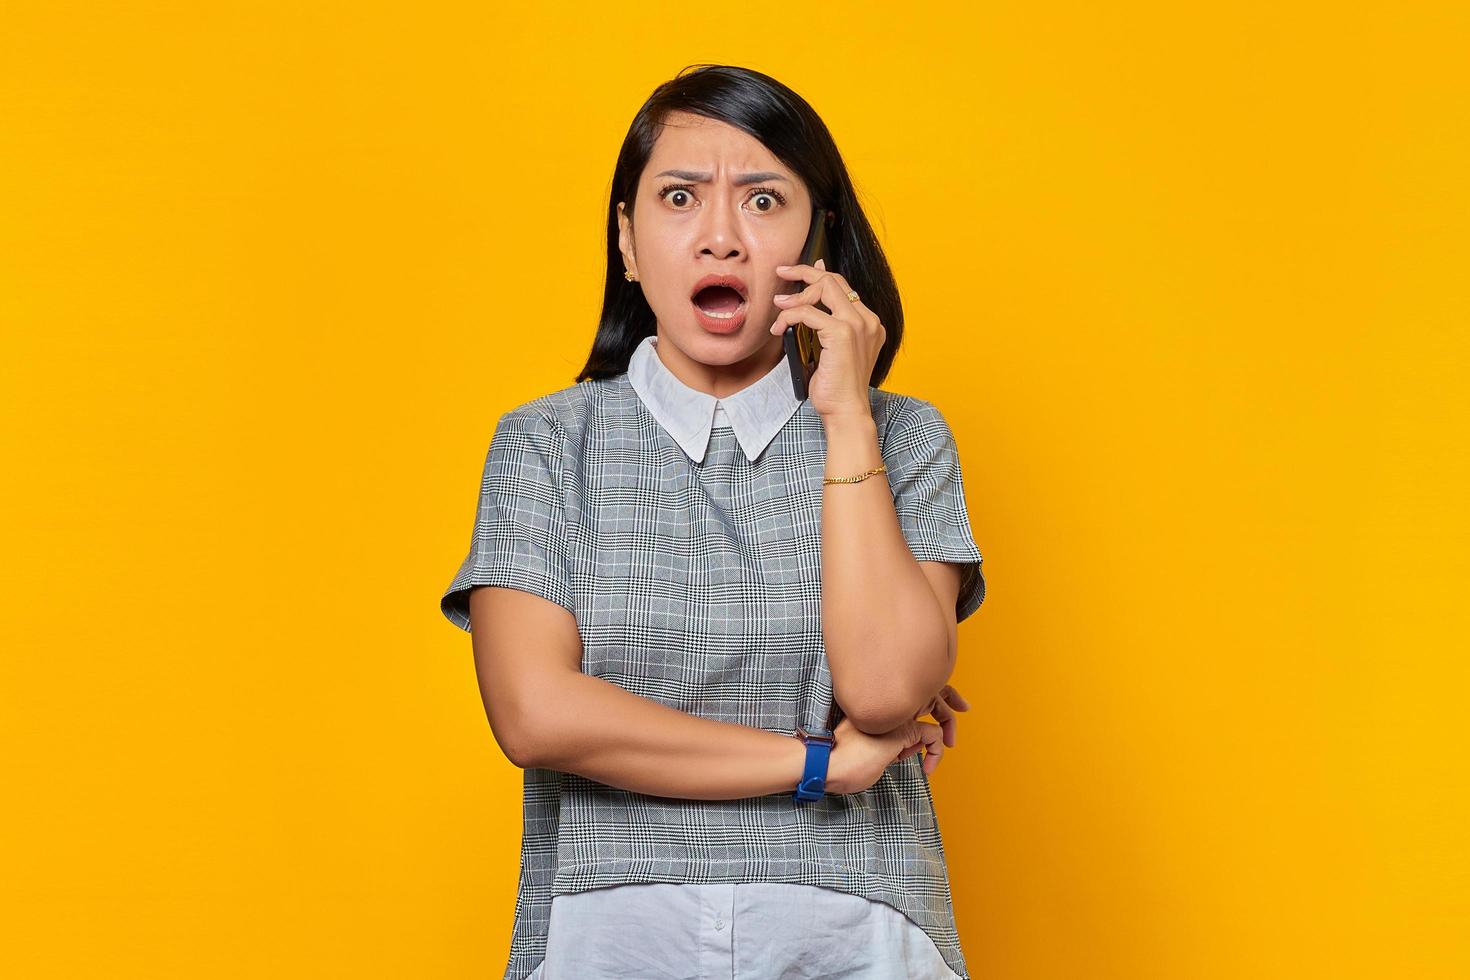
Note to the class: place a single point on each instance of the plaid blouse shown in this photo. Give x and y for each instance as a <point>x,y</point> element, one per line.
<point>689,553</point>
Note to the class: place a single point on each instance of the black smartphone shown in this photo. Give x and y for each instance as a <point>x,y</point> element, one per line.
<point>803,350</point>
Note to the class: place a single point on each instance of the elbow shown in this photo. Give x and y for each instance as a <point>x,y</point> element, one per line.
<point>515,746</point>
<point>519,750</point>
<point>881,717</point>
<point>527,732</point>
<point>520,738</point>
<point>879,699</point>
<point>877,708</point>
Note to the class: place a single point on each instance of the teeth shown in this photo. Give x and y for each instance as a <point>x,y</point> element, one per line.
<point>723,316</point>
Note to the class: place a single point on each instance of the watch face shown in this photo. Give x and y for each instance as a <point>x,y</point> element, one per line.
<point>820,735</point>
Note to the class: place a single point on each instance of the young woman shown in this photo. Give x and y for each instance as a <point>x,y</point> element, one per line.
<point>679,571</point>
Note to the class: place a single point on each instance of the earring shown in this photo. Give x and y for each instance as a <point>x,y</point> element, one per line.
<point>629,276</point>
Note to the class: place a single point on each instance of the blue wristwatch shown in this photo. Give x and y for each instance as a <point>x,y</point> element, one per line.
<point>813,783</point>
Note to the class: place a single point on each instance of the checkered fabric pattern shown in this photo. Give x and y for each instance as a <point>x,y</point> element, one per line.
<point>697,584</point>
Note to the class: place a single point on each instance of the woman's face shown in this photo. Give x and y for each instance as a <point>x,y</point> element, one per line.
<point>714,201</point>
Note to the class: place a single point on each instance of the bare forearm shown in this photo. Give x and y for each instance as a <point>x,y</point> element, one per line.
<point>593,728</point>
<point>886,638</point>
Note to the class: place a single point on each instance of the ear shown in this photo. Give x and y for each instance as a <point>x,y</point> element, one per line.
<point>625,239</point>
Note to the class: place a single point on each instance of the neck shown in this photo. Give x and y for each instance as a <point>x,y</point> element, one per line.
<point>719,380</point>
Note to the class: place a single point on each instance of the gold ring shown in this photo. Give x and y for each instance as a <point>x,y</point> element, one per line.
<point>852,296</point>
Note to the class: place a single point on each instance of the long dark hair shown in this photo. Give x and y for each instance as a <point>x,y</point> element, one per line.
<point>795,135</point>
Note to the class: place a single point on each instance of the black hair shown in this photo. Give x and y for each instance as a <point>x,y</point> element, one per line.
<point>787,126</point>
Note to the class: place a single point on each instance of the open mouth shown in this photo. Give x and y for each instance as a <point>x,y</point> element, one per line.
<point>719,302</point>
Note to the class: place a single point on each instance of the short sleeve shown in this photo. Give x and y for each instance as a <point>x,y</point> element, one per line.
<point>929,496</point>
<point>519,539</point>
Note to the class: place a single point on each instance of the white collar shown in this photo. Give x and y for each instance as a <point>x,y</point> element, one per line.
<point>756,412</point>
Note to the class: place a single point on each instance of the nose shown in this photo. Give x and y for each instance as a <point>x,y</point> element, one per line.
<point>721,231</point>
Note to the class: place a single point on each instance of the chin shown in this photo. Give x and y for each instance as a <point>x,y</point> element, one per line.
<point>707,348</point>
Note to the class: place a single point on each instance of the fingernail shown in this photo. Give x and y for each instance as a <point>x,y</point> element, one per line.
<point>780,267</point>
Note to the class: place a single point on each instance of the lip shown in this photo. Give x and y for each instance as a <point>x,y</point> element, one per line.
<point>721,325</point>
<point>734,282</point>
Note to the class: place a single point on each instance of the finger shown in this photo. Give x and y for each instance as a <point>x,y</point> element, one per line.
<point>805,273</point>
<point>933,747</point>
<point>827,287</point>
<point>818,275</point>
<point>808,295</point>
<point>946,719</point>
<point>843,286</point>
<point>818,293</point>
<point>941,713</point>
<point>809,315</point>
<point>955,698</point>
<point>841,281</point>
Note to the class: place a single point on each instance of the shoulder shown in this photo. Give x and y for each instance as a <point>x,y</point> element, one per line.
<point>904,420</point>
<point>562,416</point>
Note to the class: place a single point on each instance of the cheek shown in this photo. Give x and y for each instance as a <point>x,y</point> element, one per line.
<point>669,291</point>
<point>669,303</point>
<point>784,249</point>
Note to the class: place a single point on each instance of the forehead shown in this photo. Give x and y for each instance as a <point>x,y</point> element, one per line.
<point>692,142</point>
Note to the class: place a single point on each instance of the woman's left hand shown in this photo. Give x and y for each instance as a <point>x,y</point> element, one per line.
<point>851,337</point>
<point>942,710</point>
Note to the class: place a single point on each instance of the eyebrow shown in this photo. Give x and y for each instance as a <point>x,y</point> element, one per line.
<point>700,177</point>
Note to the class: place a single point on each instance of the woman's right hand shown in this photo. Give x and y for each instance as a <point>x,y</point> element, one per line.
<point>858,759</point>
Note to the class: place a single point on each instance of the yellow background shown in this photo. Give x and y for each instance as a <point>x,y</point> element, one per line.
<point>1189,284</point>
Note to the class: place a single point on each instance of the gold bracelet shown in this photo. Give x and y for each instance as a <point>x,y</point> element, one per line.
<point>880,468</point>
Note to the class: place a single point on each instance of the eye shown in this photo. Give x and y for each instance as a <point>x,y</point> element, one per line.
<point>770,193</point>
<point>679,194</point>
<point>671,191</point>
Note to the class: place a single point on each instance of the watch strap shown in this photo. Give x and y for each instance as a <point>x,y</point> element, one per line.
<point>813,785</point>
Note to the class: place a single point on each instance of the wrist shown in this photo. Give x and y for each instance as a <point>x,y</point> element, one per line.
<point>837,784</point>
<point>817,746</point>
<point>852,446</point>
<point>858,421</point>
<point>793,763</point>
